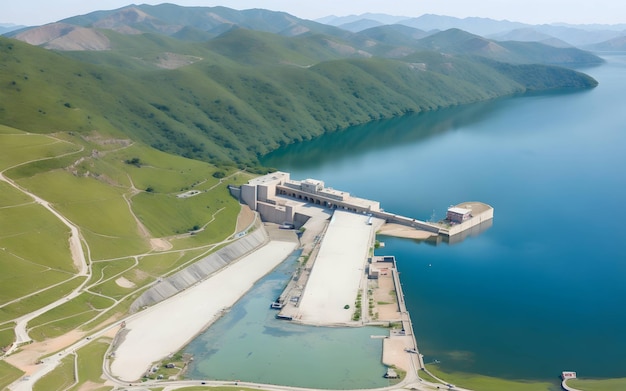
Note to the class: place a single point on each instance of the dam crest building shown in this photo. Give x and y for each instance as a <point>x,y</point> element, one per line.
<point>280,200</point>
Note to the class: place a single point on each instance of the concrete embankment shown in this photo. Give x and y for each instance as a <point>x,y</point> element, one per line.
<point>200,270</point>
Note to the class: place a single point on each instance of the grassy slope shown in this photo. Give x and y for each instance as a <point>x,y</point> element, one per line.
<point>59,378</point>
<point>598,385</point>
<point>8,374</point>
<point>91,186</point>
<point>90,359</point>
<point>486,383</point>
<point>247,94</point>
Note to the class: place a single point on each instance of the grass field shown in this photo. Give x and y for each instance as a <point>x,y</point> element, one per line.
<point>90,359</point>
<point>104,270</point>
<point>67,316</point>
<point>598,384</point>
<point>38,300</point>
<point>19,148</point>
<point>485,383</point>
<point>99,209</point>
<point>8,374</point>
<point>100,190</point>
<point>159,264</point>
<point>28,227</point>
<point>11,197</point>
<point>59,379</point>
<point>7,335</point>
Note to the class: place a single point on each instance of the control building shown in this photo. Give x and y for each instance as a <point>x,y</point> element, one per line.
<point>279,199</point>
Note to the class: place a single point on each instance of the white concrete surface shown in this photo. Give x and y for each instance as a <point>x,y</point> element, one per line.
<point>168,326</point>
<point>338,270</point>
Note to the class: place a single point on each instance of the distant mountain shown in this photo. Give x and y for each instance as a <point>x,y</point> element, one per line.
<point>169,19</point>
<point>616,44</point>
<point>360,25</point>
<point>576,35</point>
<point>342,20</point>
<point>479,26</point>
<point>579,36</point>
<point>186,23</point>
<point>455,41</point>
<point>529,34</point>
<point>394,40</point>
<point>62,36</point>
<point>97,31</point>
<point>8,27</point>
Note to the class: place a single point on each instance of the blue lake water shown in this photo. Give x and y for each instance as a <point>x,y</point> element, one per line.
<point>249,344</point>
<point>543,289</point>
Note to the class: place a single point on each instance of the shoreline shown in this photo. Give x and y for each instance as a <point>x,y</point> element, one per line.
<point>149,338</point>
<point>146,340</point>
<point>403,231</point>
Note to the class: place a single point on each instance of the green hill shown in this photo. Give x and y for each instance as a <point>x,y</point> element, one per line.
<point>455,41</point>
<point>242,94</point>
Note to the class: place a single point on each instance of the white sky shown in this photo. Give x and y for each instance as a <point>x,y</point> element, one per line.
<point>36,12</point>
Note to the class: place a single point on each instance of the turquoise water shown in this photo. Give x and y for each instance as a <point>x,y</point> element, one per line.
<point>543,289</point>
<point>248,344</point>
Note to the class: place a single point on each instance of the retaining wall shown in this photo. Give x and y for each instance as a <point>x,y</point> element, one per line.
<point>200,270</point>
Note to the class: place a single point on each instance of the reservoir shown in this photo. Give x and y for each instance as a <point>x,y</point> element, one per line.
<point>542,290</point>
<point>539,292</point>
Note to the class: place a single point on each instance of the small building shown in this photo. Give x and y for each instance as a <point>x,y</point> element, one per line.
<point>391,374</point>
<point>381,266</point>
<point>568,375</point>
<point>458,215</point>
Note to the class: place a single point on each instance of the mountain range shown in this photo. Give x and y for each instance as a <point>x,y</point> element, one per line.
<point>228,86</point>
<point>591,37</point>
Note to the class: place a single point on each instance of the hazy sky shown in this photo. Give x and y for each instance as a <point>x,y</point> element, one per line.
<point>36,12</point>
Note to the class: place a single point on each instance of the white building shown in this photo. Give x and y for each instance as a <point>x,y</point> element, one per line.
<point>458,215</point>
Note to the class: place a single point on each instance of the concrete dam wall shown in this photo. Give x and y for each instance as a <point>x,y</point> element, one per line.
<point>200,270</point>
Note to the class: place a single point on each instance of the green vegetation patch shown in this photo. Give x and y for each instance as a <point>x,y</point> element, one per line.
<point>159,264</point>
<point>105,270</point>
<point>9,130</point>
<point>68,316</point>
<point>487,383</point>
<point>7,335</point>
<point>8,374</point>
<point>33,234</point>
<point>20,148</point>
<point>598,384</point>
<point>90,359</point>
<point>112,314</point>
<point>165,172</point>
<point>112,289</point>
<point>10,196</point>
<point>167,215</point>
<point>426,376</point>
<point>60,378</point>
<point>39,300</point>
<point>99,209</point>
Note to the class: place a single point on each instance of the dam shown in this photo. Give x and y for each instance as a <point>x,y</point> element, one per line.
<point>281,200</point>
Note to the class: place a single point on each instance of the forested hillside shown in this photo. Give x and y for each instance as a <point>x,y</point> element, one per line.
<point>243,93</point>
